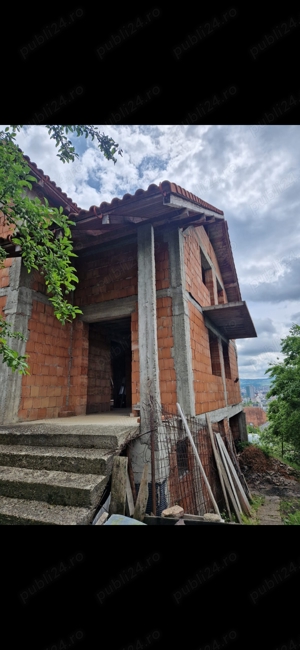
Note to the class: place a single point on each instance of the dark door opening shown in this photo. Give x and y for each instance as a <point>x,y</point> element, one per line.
<point>109,373</point>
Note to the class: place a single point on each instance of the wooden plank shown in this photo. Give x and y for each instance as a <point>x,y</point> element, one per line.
<point>130,474</point>
<point>102,519</point>
<point>150,520</point>
<point>239,487</point>
<point>129,509</point>
<point>230,493</point>
<point>219,439</point>
<point>198,459</point>
<point>217,459</point>
<point>142,498</point>
<point>118,486</point>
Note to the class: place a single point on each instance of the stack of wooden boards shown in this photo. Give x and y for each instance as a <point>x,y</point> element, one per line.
<point>123,499</point>
<point>231,485</point>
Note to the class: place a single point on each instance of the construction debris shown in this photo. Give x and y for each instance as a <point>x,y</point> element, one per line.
<point>266,472</point>
<point>175,511</point>
<point>210,516</point>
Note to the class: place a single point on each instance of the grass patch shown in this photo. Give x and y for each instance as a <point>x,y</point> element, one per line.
<point>290,512</point>
<point>255,503</point>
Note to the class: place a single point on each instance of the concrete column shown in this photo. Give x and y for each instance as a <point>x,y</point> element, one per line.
<point>222,369</point>
<point>181,325</point>
<point>243,427</point>
<point>17,311</point>
<point>147,328</point>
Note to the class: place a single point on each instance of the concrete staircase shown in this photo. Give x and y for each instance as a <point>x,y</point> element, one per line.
<point>53,474</point>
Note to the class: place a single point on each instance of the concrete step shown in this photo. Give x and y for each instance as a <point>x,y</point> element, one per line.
<point>59,488</point>
<point>25,512</point>
<point>40,435</point>
<point>63,459</point>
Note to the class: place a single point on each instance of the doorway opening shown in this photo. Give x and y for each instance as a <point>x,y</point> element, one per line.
<point>109,368</point>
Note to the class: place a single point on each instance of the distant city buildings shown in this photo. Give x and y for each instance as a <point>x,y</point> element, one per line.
<point>250,392</point>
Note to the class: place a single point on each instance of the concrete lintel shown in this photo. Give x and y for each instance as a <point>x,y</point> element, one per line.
<point>220,414</point>
<point>108,310</point>
<point>147,330</point>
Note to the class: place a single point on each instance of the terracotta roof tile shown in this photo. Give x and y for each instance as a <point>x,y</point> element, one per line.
<point>164,188</point>
<point>57,189</point>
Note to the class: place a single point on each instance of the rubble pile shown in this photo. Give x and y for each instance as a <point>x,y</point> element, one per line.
<point>261,471</point>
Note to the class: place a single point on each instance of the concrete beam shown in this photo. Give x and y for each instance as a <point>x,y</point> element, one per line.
<point>147,330</point>
<point>181,325</point>
<point>221,414</point>
<point>177,202</point>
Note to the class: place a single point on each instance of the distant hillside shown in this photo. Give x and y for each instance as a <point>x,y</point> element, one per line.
<point>257,383</point>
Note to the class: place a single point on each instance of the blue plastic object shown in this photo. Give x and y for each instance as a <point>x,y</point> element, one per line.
<point>121,520</point>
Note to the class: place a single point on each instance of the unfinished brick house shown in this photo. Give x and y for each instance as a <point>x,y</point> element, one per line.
<point>161,311</point>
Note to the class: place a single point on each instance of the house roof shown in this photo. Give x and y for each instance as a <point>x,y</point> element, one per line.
<point>50,188</point>
<point>163,205</point>
<point>129,201</point>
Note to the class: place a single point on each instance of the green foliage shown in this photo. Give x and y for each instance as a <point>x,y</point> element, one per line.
<point>11,357</point>
<point>290,512</point>
<point>284,411</point>
<point>42,232</point>
<point>240,446</point>
<point>252,429</point>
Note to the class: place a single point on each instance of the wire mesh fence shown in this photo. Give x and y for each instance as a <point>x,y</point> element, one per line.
<point>176,477</point>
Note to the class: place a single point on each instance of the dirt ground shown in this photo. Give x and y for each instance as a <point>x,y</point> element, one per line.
<point>268,476</point>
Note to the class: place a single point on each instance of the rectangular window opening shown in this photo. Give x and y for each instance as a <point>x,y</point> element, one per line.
<point>226,360</point>
<point>214,354</point>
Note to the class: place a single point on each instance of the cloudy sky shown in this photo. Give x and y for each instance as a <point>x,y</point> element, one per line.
<point>250,172</point>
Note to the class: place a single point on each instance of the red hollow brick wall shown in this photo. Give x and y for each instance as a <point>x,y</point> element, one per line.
<point>99,371</point>
<point>209,391</point>
<point>45,390</point>
<point>108,275</point>
<point>165,341</point>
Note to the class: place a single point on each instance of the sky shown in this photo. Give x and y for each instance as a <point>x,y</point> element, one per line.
<point>252,173</point>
